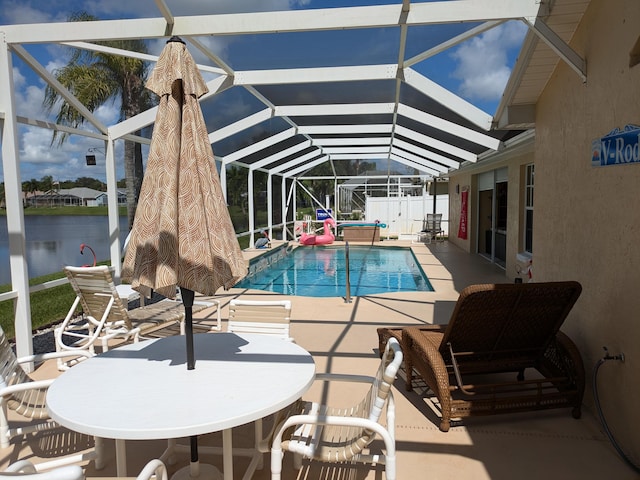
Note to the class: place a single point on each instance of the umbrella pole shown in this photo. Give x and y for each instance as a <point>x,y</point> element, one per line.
<point>195,464</point>
<point>187,301</point>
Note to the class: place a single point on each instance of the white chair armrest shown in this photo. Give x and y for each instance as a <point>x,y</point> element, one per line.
<point>22,466</point>
<point>342,377</point>
<point>319,419</point>
<point>27,470</point>
<point>315,419</point>
<point>154,467</point>
<point>42,357</point>
<point>23,387</point>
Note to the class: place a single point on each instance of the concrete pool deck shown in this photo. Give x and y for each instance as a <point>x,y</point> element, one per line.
<point>342,339</point>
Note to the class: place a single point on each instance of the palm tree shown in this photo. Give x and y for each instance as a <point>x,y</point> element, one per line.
<point>95,78</point>
<point>31,186</point>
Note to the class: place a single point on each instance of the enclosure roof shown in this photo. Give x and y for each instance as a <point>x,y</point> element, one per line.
<point>329,84</point>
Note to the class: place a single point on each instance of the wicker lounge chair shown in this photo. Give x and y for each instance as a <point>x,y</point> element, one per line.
<point>476,364</point>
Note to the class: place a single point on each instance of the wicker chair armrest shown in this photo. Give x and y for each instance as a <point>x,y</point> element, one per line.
<point>421,347</point>
<point>422,353</point>
<point>563,357</point>
<point>385,333</point>
<point>430,328</point>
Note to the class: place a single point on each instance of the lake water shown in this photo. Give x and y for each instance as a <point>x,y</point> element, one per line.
<point>54,241</point>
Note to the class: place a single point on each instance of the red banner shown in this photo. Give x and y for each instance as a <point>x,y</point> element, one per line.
<point>462,230</point>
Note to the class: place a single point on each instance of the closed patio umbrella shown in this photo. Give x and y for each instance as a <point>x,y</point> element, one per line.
<point>182,235</point>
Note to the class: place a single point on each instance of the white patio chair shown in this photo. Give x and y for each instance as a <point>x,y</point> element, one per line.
<point>434,227</point>
<point>423,235</point>
<point>266,317</point>
<point>431,229</point>
<point>329,434</point>
<point>26,397</point>
<point>105,315</point>
<point>28,471</point>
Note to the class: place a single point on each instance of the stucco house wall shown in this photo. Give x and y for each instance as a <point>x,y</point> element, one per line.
<point>587,219</point>
<point>514,158</point>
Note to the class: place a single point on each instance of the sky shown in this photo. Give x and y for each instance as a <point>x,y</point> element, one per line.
<point>476,70</point>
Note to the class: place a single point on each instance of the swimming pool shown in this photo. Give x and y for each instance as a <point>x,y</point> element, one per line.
<point>319,271</point>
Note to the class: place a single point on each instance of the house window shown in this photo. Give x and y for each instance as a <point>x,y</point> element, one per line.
<point>528,209</point>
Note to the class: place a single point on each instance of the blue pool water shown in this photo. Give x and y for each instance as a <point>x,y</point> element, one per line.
<point>319,271</point>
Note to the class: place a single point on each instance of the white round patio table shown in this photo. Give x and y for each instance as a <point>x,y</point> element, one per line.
<point>143,391</point>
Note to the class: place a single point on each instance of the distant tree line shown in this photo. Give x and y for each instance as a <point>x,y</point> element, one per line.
<point>47,183</point>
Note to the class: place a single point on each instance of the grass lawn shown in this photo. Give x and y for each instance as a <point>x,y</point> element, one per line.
<point>49,211</point>
<point>47,306</point>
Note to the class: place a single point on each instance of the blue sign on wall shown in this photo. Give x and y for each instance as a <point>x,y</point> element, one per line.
<point>323,213</point>
<point>618,147</point>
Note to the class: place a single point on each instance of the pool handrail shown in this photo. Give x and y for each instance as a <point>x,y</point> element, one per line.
<point>347,279</point>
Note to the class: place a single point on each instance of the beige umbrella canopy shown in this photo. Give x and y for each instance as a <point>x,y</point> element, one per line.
<point>182,233</point>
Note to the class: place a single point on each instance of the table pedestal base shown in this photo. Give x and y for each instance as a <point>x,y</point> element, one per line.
<point>202,471</point>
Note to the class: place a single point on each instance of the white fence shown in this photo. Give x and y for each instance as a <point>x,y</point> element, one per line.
<point>404,215</point>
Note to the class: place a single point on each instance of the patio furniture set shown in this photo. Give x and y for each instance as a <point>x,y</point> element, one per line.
<point>474,365</point>
<point>251,371</point>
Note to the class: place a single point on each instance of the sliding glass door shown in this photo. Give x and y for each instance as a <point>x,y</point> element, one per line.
<point>492,216</point>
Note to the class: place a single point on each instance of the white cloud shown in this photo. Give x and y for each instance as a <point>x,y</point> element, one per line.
<point>19,80</point>
<point>483,61</point>
<point>55,64</point>
<point>39,157</point>
<point>109,113</point>
<point>29,102</point>
<point>17,12</point>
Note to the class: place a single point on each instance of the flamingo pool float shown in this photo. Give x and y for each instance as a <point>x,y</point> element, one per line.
<point>82,247</point>
<point>325,239</point>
